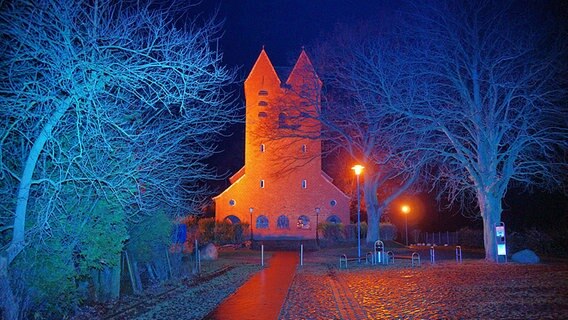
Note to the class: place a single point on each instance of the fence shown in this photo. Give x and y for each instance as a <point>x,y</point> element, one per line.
<point>436,238</point>
<point>463,237</point>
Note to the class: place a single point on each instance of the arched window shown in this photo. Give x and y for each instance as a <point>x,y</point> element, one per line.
<point>262,222</point>
<point>283,222</point>
<point>333,219</point>
<point>232,219</point>
<point>303,222</point>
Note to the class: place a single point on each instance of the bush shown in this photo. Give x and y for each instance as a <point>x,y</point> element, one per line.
<point>388,231</point>
<point>470,238</point>
<point>224,232</point>
<point>207,230</point>
<point>221,232</point>
<point>350,231</point>
<point>331,231</point>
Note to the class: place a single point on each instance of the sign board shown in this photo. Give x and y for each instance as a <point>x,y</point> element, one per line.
<point>500,240</point>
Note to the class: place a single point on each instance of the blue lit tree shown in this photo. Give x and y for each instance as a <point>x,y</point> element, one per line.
<point>492,99</point>
<point>476,88</point>
<point>363,87</point>
<point>101,102</point>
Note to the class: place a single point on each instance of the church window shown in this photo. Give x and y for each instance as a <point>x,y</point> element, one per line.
<point>262,115</point>
<point>262,147</point>
<point>232,202</point>
<point>304,184</point>
<point>283,222</point>
<point>334,219</point>
<point>263,103</point>
<point>262,222</point>
<point>262,183</point>
<point>263,93</point>
<point>332,203</point>
<point>303,222</point>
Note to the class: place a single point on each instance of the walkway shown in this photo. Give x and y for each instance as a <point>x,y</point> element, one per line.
<point>263,295</point>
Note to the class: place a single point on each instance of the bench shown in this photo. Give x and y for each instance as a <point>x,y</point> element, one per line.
<point>343,260</point>
<point>415,258</point>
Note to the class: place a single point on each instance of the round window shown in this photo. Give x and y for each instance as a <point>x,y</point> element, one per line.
<point>333,203</point>
<point>232,202</point>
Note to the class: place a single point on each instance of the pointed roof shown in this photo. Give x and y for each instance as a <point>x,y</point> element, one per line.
<point>303,69</point>
<point>264,67</point>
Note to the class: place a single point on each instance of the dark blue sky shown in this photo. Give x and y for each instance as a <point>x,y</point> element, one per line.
<point>284,26</point>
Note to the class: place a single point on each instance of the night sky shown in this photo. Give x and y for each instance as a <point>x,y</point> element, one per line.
<point>283,27</point>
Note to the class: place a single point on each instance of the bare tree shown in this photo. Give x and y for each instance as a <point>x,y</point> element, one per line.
<point>363,87</point>
<point>490,79</point>
<point>104,100</point>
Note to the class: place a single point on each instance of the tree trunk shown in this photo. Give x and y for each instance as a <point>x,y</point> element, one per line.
<point>115,282</point>
<point>8,300</point>
<point>137,277</point>
<point>373,211</point>
<point>490,207</point>
<point>17,243</point>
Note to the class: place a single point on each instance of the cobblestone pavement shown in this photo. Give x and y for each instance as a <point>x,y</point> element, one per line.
<point>471,290</point>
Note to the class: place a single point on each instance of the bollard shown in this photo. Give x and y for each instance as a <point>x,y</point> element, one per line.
<point>458,254</point>
<point>432,255</point>
<point>301,255</point>
<point>197,258</point>
<point>262,255</point>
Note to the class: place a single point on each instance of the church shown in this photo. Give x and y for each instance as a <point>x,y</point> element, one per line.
<point>281,190</point>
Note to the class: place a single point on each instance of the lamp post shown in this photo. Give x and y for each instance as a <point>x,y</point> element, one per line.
<point>405,209</point>
<point>317,223</point>
<point>250,211</point>
<point>358,169</point>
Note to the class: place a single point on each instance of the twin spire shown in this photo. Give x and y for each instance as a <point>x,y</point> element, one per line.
<point>303,69</point>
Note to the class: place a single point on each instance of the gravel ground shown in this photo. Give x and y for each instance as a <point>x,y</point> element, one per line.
<point>447,290</point>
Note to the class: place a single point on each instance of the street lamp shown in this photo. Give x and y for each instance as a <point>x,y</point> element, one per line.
<point>317,220</point>
<point>405,209</point>
<point>250,210</point>
<point>358,169</point>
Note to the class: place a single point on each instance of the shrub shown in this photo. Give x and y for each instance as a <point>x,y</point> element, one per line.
<point>350,231</point>
<point>224,232</point>
<point>207,230</point>
<point>470,237</point>
<point>150,237</point>
<point>388,231</point>
<point>331,231</point>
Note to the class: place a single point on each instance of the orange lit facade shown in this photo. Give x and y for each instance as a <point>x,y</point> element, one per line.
<point>282,180</point>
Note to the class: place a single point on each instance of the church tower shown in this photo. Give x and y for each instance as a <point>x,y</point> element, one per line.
<point>282,189</point>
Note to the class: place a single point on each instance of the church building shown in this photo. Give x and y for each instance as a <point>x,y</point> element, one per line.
<point>281,190</point>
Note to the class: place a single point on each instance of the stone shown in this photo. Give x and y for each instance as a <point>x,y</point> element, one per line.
<point>210,252</point>
<point>525,256</point>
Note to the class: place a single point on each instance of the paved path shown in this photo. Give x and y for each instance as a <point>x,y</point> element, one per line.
<point>263,295</point>
<point>448,290</point>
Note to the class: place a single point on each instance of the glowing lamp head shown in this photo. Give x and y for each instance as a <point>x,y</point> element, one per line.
<point>358,169</point>
<point>405,209</point>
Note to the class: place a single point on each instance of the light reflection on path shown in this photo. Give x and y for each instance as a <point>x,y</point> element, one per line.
<point>263,295</point>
